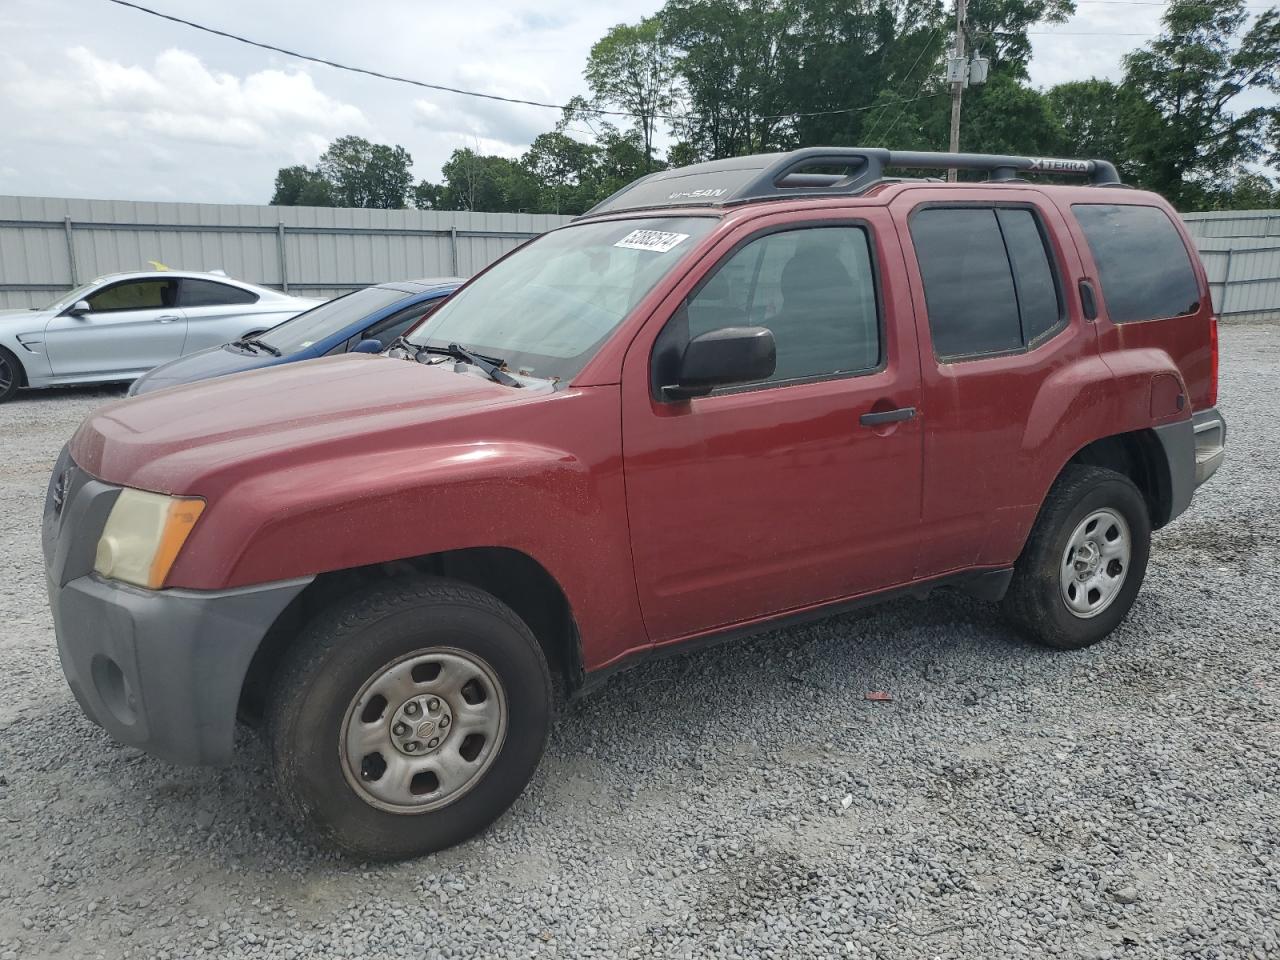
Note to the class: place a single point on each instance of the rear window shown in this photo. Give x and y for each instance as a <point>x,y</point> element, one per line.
<point>989,285</point>
<point>210,293</point>
<point>1143,265</point>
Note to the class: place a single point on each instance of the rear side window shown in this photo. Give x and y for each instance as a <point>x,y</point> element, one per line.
<point>988,281</point>
<point>812,287</point>
<point>210,293</point>
<point>135,295</point>
<point>1143,265</point>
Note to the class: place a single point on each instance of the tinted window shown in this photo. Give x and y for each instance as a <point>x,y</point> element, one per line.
<point>813,288</point>
<point>210,293</point>
<point>1033,280</point>
<point>1142,263</point>
<point>330,318</point>
<point>968,283</point>
<point>135,295</point>
<point>398,324</point>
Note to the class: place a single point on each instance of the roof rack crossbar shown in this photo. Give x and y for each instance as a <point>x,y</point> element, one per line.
<point>809,172</point>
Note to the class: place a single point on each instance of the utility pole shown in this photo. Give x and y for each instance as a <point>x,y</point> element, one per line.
<point>957,87</point>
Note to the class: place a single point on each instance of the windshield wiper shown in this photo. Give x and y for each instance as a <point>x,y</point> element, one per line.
<point>255,342</point>
<point>490,365</point>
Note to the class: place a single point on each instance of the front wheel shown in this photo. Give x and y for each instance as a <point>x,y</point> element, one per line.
<point>1083,564</point>
<point>10,375</point>
<point>408,717</point>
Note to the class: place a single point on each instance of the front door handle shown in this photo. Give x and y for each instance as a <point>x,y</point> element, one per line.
<point>167,318</point>
<point>887,416</point>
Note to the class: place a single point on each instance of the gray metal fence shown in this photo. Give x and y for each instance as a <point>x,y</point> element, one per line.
<point>49,245</point>
<point>1241,254</point>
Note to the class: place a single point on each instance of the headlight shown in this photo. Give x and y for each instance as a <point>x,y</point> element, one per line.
<point>143,535</point>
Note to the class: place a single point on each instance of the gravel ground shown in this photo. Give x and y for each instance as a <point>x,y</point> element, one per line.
<point>744,801</point>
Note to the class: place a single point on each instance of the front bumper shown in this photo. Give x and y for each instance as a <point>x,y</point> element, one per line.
<point>158,669</point>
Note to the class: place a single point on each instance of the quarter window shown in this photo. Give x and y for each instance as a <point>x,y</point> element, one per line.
<point>813,288</point>
<point>210,293</point>
<point>988,281</point>
<point>1143,265</point>
<point>135,295</point>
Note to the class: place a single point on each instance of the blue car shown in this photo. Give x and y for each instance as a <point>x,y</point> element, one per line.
<point>367,320</point>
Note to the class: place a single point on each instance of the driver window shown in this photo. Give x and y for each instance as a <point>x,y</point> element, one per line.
<point>813,288</point>
<point>135,295</point>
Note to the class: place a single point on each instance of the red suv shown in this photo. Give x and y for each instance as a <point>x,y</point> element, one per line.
<point>732,396</point>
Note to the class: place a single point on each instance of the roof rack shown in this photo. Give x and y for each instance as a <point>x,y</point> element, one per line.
<point>770,176</point>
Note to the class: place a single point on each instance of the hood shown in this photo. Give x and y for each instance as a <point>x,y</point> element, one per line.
<point>213,362</point>
<point>20,319</point>
<point>201,437</point>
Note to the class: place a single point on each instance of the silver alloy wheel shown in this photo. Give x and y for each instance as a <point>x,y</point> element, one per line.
<point>6,375</point>
<point>1095,563</point>
<point>423,731</point>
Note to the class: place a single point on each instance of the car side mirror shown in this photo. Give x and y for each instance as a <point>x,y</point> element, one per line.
<point>80,308</point>
<point>721,358</point>
<point>368,346</point>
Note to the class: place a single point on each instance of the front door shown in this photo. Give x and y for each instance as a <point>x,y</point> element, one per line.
<point>796,490</point>
<point>131,326</point>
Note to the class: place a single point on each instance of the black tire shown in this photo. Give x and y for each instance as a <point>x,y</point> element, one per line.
<point>11,376</point>
<point>1035,601</point>
<point>353,641</point>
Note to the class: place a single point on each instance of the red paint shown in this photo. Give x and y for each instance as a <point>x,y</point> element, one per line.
<point>665,521</point>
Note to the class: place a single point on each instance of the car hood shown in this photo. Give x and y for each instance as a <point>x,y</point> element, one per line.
<point>213,362</point>
<point>200,438</point>
<point>22,320</point>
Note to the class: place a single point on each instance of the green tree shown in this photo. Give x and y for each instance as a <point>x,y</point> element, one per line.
<point>565,170</point>
<point>1099,119</point>
<point>998,29</point>
<point>367,174</point>
<point>302,187</point>
<point>1193,141</point>
<point>632,67</point>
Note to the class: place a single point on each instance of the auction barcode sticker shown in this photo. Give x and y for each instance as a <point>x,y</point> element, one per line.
<point>655,240</point>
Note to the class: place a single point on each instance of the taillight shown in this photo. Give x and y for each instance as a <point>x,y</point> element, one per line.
<point>1213,361</point>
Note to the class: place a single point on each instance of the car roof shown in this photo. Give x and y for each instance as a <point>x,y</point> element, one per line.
<point>425,285</point>
<point>808,173</point>
<point>192,275</point>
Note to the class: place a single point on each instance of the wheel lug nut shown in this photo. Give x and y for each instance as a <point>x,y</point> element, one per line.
<point>433,704</point>
<point>433,742</point>
<point>411,708</point>
<point>399,729</point>
<point>411,746</point>
<point>444,722</point>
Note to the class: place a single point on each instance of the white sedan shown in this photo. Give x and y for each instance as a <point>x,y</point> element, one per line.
<point>118,327</point>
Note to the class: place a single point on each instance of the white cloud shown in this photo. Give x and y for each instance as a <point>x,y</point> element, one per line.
<point>178,99</point>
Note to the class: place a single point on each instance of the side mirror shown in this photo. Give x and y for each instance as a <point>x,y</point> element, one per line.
<point>368,346</point>
<point>80,308</point>
<point>720,358</point>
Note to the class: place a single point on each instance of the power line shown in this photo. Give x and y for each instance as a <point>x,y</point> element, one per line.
<point>907,76</point>
<point>375,73</point>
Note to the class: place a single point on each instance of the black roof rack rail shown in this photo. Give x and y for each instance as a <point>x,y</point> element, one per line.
<point>720,183</point>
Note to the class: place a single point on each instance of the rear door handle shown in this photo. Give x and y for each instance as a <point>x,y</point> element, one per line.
<point>887,416</point>
<point>167,318</point>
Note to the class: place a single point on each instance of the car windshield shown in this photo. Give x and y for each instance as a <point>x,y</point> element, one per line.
<point>67,299</point>
<point>547,308</point>
<point>330,318</point>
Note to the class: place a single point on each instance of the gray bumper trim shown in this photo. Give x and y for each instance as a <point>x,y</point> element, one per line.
<point>1211,443</point>
<point>162,670</point>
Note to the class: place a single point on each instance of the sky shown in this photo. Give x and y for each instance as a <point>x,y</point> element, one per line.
<point>101,101</point>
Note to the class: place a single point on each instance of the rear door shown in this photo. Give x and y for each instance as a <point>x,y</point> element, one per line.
<point>132,326</point>
<point>774,496</point>
<point>996,319</point>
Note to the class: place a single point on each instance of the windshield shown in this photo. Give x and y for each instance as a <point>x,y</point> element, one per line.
<point>548,307</point>
<point>67,299</point>
<point>330,318</point>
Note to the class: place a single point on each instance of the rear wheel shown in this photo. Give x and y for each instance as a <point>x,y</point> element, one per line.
<point>10,375</point>
<point>1084,562</point>
<point>408,717</point>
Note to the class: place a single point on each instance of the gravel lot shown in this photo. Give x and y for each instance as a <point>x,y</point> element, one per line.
<point>744,801</point>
